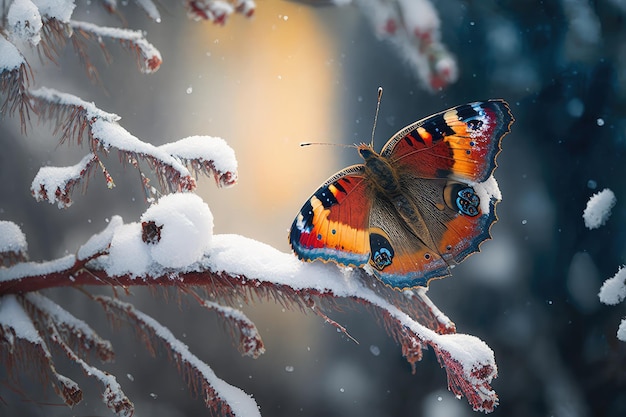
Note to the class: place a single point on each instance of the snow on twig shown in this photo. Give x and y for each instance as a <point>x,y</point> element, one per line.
<point>55,184</point>
<point>218,395</point>
<point>413,27</point>
<point>25,21</point>
<point>150,8</point>
<point>250,342</point>
<point>23,348</point>
<point>148,57</point>
<point>73,335</point>
<point>78,334</point>
<point>218,11</point>
<point>113,395</point>
<point>78,118</point>
<point>207,155</point>
<point>236,268</point>
<point>15,75</point>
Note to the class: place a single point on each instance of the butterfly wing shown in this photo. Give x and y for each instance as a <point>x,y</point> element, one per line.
<point>333,224</point>
<point>399,258</point>
<point>460,143</point>
<point>444,163</point>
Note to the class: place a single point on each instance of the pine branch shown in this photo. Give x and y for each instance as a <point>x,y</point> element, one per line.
<point>15,77</point>
<point>56,184</point>
<point>250,342</point>
<point>222,398</point>
<point>24,350</point>
<point>77,334</point>
<point>77,119</point>
<point>238,270</point>
<point>148,57</point>
<point>218,11</point>
<point>113,396</point>
<point>206,155</point>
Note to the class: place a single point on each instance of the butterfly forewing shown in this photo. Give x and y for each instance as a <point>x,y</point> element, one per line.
<point>460,143</point>
<point>333,223</point>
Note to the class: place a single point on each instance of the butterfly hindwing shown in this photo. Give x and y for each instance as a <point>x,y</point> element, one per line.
<point>333,223</point>
<point>456,218</point>
<point>398,257</point>
<point>460,143</point>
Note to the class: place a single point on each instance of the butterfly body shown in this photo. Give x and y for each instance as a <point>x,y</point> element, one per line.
<point>419,206</point>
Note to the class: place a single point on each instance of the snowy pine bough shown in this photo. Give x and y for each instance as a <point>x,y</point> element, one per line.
<point>172,245</point>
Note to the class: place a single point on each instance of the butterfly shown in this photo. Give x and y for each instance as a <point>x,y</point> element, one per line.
<point>417,208</point>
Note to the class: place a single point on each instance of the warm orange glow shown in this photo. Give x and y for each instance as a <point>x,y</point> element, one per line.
<point>271,88</point>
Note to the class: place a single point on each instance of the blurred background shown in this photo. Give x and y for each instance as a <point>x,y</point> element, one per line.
<point>297,73</point>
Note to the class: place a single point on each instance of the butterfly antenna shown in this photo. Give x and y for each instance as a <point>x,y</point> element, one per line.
<point>326,143</point>
<point>380,96</point>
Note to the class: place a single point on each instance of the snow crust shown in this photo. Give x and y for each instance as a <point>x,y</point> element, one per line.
<point>613,291</point>
<point>128,253</point>
<point>599,208</point>
<point>12,239</point>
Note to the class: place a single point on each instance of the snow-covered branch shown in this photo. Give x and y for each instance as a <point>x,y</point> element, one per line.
<point>233,269</point>
<point>413,28</point>
<point>148,57</point>
<point>15,77</point>
<point>218,11</point>
<point>78,119</point>
<point>218,395</point>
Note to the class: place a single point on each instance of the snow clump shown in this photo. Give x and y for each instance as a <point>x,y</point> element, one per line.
<point>187,229</point>
<point>598,209</point>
